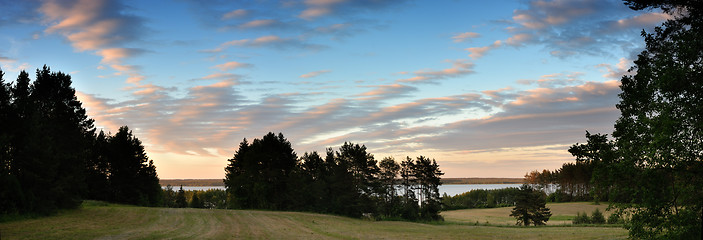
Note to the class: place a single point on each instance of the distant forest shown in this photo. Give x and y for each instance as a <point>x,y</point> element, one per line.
<point>445,181</point>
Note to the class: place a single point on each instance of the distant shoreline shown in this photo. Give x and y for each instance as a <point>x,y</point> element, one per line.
<point>447,181</point>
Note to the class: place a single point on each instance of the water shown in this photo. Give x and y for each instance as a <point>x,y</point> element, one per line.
<point>193,188</point>
<point>454,189</point>
<point>450,189</point>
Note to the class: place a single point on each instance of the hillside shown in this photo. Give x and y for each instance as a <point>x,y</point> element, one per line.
<point>97,220</point>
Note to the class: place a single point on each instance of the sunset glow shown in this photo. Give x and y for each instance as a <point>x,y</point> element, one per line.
<point>487,88</point>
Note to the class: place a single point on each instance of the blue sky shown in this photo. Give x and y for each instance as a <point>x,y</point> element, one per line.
<point>487,88</point>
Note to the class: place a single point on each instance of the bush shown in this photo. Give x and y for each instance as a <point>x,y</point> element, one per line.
<point>581,218</point>
<point>615,219</point>
<point>597,217</point>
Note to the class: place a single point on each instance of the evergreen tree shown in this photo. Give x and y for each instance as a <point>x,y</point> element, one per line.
<point>11,194</point>
<point>133,177</point>
<point>181,198</point>
<point>259,174</point>
<point>98,169</point>
<point>530,207</point>
<point>195,201</point>
<point>428,178</point>
<point>364,170</point>
<point>388,174</point>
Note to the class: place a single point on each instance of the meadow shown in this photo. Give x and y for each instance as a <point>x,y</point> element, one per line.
<point>97,220</point>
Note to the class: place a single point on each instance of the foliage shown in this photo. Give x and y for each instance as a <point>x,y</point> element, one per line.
<point>597,217</point>
<point>267,175</point>
<point>51,158</point>
<point>481,198</point>
<point>530,207</point>
<point>120,171</point>
<point>581,218</point>
<point>659,135</point>
<point>43,143</point>
<point>259,175</point>
<point>615,219</point>
<point>181,201</point>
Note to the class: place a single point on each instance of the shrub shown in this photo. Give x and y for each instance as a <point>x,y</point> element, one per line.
<point>581,218</point>
<point>615,219</point>
<point>597,217</point>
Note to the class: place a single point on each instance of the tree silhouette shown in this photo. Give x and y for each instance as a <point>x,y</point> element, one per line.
<point>659,135</point>
<point>530,207</point>
<point>181,198</point>
<point>258,175</point>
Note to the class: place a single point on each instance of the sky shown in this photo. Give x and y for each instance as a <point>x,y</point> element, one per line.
<point>487,88</point>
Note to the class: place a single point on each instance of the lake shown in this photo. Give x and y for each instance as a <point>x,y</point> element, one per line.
<point>450,189</point>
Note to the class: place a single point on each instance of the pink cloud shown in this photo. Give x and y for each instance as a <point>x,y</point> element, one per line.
<point>459,68</point>
<point>463,37</point>
<point>258,23</point>
<point>235,14</point>
<point>231,66</point>
<point>90,24</point>
<point>314,74</point>
<point>478,52</point>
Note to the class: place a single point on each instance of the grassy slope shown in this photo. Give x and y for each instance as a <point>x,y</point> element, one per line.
<point>127,222</point>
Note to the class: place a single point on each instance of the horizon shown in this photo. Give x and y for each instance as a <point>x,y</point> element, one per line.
<point>489,90</point>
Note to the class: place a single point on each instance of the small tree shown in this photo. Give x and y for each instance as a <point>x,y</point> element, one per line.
<point>181,198</point>
<point>195,201</point>
<point>597,217</point>
<point>582,218</point>
<point>530,207</point>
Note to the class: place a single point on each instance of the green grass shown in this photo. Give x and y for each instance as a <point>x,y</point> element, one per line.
<point>562,214</point>
<point>109,221</point>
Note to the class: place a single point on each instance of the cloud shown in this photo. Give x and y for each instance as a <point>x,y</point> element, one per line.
<point>115,55</point>
<point>239,13</point>
<point>459,67</point>
<point>463,37</point>
<point>231,66</point>
<point>617,71</point>
<point>91,24</point>
<point>555,80</point>
<point>478,52</point>
<point>260,23</point>
<point>570,28</point>
<point>101,26</point>
<point>272,41</point>
<point>385,92</point>
<point>6,59</point>
<point>315,9</point>
<point>314,74</point>
<point>318,8</point>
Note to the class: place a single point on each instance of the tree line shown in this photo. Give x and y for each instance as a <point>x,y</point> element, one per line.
<point>267,174</point>
<point>51,156</point>
<point>211,198</point>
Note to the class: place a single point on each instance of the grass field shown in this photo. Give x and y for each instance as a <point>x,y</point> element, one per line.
<point>99,221</point>
<point>562,214</point>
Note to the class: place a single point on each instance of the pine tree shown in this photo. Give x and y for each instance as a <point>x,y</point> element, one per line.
<point>530,207</point>
<point>181,198</point>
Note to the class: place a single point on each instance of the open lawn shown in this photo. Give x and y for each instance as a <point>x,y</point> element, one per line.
<point>562,213</point>
<point>98,221</point>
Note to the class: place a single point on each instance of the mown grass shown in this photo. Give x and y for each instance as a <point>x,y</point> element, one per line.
<point>108,221</point>
<point>562,214</point>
